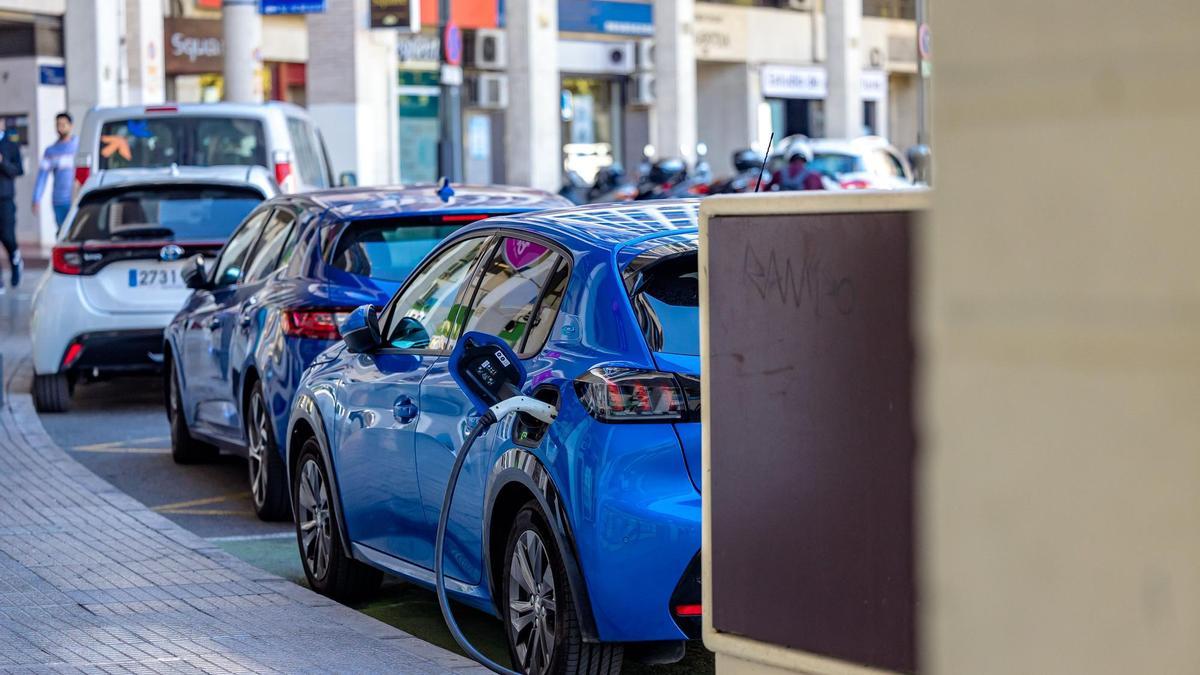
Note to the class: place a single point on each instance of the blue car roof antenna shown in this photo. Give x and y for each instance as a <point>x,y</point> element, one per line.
<point>444,190</point>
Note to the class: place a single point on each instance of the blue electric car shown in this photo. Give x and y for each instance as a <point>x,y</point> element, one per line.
<point>272,300</point>
<point>584,537</point>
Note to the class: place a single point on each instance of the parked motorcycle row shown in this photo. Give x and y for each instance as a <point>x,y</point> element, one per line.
<point>829,164</point>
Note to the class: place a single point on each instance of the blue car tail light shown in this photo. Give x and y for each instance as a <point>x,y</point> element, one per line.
<point>615,394</point>
<point>317,324</point>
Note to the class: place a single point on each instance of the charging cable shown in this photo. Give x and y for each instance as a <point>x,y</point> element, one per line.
<point>521,404</point>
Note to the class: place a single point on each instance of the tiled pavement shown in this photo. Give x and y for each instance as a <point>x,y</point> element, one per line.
<point>93,581</point>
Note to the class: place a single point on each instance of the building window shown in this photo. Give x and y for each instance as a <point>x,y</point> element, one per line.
<point>891,9</point>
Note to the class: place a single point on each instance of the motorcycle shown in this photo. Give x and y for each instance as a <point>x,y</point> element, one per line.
<point>611,185</point>
<point>748,165</point>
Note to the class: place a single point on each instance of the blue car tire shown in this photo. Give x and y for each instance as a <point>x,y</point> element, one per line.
<point>184,448</point>
<point>536,603</point>
<point>329,570</point>
<point>268,479</point>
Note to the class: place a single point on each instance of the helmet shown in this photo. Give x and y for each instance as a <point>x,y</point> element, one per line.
<point>671,170</point>
<point>745,160</point>
<point>799,151</point>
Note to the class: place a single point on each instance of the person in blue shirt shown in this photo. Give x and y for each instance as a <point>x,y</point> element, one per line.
<point>10,168</point>
<point>59,159</point>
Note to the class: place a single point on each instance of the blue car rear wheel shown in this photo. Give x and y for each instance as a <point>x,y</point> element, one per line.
<point>268,482</point>
<point>539,611</point>
<point>328,569</point>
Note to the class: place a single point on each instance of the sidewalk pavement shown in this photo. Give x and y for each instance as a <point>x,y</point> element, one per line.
<point>93,581</point>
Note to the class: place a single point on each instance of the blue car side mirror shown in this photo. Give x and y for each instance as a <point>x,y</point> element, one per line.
<point>487,369</point>
<point>360,330</point>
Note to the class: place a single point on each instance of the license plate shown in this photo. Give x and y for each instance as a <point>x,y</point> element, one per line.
<point>155,278</point>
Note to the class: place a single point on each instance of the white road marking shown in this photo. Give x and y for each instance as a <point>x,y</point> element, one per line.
<point>254,537</point>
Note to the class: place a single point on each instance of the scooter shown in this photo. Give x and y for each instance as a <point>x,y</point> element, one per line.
<point>611,185</point>
<point>669,178</point>
<point>749,166</point>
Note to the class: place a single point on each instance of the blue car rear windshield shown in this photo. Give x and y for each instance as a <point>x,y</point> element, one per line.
<point>182,212</point>
<point>390,248</point>
<point>667,304</point>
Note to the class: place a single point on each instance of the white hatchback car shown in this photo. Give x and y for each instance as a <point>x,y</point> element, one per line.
<point>115,282</point>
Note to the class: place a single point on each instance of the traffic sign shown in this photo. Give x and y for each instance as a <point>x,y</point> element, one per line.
<point>452,44</point>
<point>923,42</point>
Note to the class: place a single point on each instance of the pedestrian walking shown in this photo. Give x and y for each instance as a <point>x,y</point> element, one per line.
<point>58,161</point>
<point>10,168</point>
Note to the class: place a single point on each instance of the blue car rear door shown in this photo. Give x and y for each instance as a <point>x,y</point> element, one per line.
<point>380,395</point>
<point>206,357</point>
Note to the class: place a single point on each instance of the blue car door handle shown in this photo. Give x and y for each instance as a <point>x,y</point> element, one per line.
<point>404,410</point>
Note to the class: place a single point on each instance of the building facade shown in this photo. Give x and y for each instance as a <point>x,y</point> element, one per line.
<point>548,85</point>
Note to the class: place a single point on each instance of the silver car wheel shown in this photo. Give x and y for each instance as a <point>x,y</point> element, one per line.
<point>258,432</point>
<point>316,534</point>
<point>531,603</point>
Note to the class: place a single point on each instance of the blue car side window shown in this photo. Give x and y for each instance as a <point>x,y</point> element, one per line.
<point>426,313</point>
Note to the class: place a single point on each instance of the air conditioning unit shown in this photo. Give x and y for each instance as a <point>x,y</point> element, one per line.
<point>642,86</point>
<point>488,50</point>
<point>489,91</point>
<point>645,55</point>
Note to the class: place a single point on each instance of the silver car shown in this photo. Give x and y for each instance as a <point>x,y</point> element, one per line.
<point>279,137</point>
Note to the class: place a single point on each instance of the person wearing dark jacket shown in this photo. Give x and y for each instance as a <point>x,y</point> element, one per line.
<point>10,168</point>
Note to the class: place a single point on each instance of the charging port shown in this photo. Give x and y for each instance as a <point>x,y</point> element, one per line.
<point>527,430</point>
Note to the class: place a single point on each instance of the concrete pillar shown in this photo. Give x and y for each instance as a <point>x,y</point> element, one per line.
<point>729,119</point>
<point>533,126</point>
<point>242,30</point>
<point>92,32</point>
<point>843,103</point>
<point>1060,313</point>
<point>352,91</point>
<point>673,130</point>
<point>144,51</point>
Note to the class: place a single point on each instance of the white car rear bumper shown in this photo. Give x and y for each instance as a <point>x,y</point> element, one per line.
<point>61,314</point>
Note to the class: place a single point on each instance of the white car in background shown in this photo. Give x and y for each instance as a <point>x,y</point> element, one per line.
<point>277,136</point>
<point>115,281</point>
<point>866,163</point>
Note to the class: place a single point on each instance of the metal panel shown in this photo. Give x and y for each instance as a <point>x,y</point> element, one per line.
<point>809,431</point>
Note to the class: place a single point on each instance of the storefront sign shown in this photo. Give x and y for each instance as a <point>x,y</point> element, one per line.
<point>812,82</point>
<point>793,81</point>
<point>402,14</point>
<point>418,47</point>
<point>619,17</point>
<point>291,6</point>
<point>193,46</point>
<point>52,75</point>
<point>874,85</point>
<point>721,32</point>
